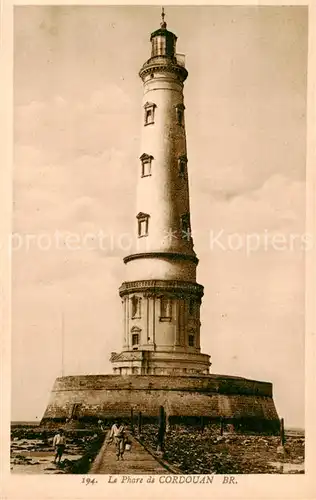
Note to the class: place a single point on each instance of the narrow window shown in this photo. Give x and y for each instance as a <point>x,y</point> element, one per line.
<point>136,307</point>
<point>149,113</point>
<point>149,116</point>
<point>158,46</point>
<point>142,229</point>
<point>135,339</point>
<point>134,370</point>
<point>143,222</point>
<point>191,340</point>
<point>182,162</point>
<point>146,164</point>
<point>165,309</point>
<point>180,114</point>
<point>186,227</point>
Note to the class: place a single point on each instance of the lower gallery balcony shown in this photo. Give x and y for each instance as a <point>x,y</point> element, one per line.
<point>159,363</point>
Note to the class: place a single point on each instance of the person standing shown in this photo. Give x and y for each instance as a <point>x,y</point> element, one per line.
<point>118,433</point>
<point>59,443</point>
<point>100,425</point>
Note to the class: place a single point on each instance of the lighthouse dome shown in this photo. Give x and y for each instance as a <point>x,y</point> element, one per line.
<point>163,54</point>
<point>163,43</point>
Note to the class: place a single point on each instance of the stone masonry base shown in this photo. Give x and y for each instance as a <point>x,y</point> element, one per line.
<point>88,398</point>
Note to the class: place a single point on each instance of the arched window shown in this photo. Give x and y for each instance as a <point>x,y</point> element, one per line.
<point>136,307</point>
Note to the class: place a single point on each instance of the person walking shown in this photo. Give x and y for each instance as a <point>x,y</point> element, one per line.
<point>118,433</point>
<point>59,443</point>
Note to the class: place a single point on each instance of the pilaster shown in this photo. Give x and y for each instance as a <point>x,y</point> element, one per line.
<point>177,341</point>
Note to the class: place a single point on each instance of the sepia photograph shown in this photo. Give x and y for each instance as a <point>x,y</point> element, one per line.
<point>159,241</point>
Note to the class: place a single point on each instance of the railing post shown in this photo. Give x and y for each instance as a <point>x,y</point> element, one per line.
<point>161,430</point>
<point>222,425</point>
<point>282,433</point>
<point>202,424</point>
<point>139,423</point>
<point>132,421</point>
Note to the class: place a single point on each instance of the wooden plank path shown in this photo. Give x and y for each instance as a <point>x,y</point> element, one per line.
<point>136,461</point>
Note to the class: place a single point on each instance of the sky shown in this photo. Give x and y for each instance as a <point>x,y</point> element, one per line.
<point>77,125</point>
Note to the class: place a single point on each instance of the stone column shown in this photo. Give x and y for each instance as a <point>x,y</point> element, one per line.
<point>124,323</point>
<point>198,327</point>
<point>177,340</point>
<point>150,325</point>
<point>147,318</point>
<point>153,321</point>
<point>184,339</point>
<point>127,312</point>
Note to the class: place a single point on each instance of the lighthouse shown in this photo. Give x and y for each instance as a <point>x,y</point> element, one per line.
<point>161,364</point>
<point>160,298</point>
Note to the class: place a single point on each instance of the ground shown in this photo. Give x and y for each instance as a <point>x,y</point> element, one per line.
<point>189,450</point>
<point>31,454</point>
<point>194,451</point>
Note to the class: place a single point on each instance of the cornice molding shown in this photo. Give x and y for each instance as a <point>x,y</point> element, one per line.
<point>152,67</point>
<point>150,105</point>
<point>155,287</point>
<point>142,215</point>
<point>167,255</point>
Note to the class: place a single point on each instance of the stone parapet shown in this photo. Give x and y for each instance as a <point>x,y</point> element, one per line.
<point>218,384</point>
<point>92,397</point>
<point>156,286</point>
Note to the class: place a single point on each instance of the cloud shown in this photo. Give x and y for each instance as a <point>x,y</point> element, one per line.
<point>278,205</point>
<point>64,129</point>
<point>120,101</point>
<point>56,196</point>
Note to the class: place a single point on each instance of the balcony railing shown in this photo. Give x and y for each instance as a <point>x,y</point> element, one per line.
<point>181,59</point>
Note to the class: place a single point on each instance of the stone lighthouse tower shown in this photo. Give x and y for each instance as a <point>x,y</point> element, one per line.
<point>161,363</point>
<point>161,299</point>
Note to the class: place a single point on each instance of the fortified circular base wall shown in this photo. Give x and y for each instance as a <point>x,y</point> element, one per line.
<point>244,403</point>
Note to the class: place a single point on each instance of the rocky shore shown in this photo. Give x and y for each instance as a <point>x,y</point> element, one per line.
<point>32,451</point>
<point>196,451</point>
<point>188,449</point>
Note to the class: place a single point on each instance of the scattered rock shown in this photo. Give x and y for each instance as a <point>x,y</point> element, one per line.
<point>280,450</point>
<point>196,452</point>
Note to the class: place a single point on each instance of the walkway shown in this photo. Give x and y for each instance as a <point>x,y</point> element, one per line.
<point>136,461</point>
